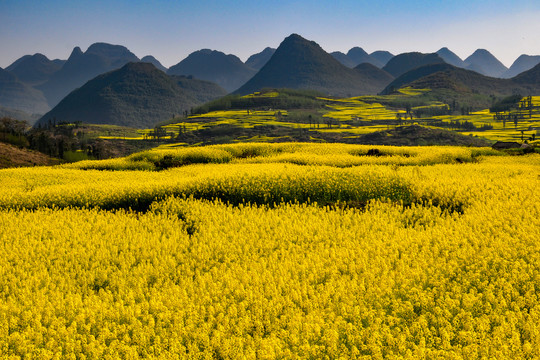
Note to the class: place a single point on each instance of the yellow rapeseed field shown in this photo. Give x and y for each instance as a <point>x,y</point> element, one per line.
<point>273,251</point>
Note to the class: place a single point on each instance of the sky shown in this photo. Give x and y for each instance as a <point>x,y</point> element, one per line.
<point>171,30</point>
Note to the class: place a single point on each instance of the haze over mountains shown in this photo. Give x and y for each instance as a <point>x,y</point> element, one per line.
<point>81,67</point>
<point>522,63</point>
<point>483,62</point>
<point>257,61</point>
<point>14,94</point>
<point>34,69</point>
<point>34,84</point>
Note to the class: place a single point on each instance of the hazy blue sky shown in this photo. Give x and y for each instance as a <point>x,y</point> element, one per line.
<point>170,30</point>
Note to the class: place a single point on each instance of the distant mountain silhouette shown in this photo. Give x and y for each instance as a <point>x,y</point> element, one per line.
<point>152,60</point>
<point>522,63</point>
<point>374,75</point>
<point>449,57</point>
<point>59,62</point>
<point>81,67</point>
<point>34,69</point>
<point>17,95</point>
<point>356,56</point>
<point>382,56</point>
<point>344,59</point>
<point>257,61</point>
<point>302,64</point>
<point>402,63</point>
<point>483,62</point>
<point>359,56</point>
<point>228,71</point>
<point>136,95</point>
<point>530,80</point>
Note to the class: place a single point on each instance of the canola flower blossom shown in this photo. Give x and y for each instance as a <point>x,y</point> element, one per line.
<point>367,261</point>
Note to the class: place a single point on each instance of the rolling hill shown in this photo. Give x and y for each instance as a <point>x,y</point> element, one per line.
<point>402,63</point>
<point>483,62</point>
<point>257,61</point>
<point>81,67</point>
<point>302,64</point>
<point>136,95</point>
<point>228,71</point>
<point>34,69</point>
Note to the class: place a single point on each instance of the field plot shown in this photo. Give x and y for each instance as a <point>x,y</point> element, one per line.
<point>273,251</point>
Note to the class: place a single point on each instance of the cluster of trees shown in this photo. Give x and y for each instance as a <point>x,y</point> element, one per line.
<point>461,125</point>
<point>59,140</point>
<point>506,104</point>
<point>13,131</point>
<point>63,140</point>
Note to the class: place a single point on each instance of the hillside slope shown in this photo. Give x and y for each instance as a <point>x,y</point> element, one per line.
<point>13,156</point>
<point>137,95</point>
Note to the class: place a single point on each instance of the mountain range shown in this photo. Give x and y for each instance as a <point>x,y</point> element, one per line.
<point>34,84</point>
